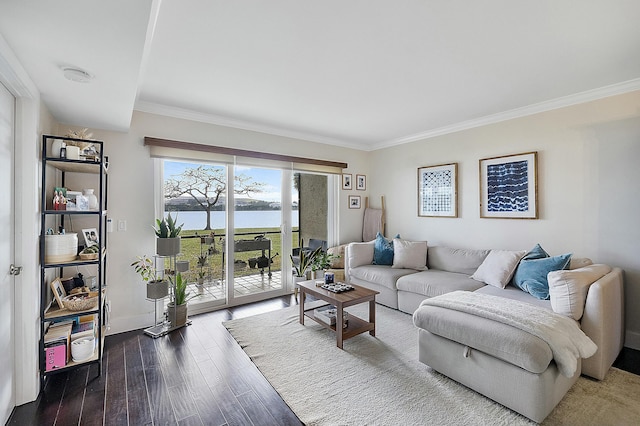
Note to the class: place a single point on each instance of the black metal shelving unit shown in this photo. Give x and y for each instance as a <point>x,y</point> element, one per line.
<point>56,219</point>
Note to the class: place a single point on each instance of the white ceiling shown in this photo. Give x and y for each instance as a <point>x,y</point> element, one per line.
<point>361,73</point>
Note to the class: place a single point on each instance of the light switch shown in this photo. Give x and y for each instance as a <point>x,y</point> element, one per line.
<point>122,225</point>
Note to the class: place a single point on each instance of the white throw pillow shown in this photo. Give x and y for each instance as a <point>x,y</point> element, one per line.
<point>409,254</point>
<point>360,254</point>
<point>568,288</point>
<point>498,267</point>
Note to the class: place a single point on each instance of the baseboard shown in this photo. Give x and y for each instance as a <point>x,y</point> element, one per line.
<point>632,340</point>
<point>121,325</point>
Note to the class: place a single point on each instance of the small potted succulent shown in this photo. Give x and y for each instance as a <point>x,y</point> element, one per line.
<point>322,262</point>
<point>157,288</point>
<point>177,308</point>
<point>168,233</point>
<point>305,262</point>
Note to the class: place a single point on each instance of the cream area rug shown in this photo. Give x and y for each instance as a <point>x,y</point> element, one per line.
<point>379,380</point>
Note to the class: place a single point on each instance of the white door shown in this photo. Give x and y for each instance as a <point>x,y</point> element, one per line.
<point>7,281</point>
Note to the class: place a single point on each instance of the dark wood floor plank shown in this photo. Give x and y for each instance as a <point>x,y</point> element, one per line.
<point>94,398</point>
<point>50,400</point>
<point>256,411</point>
<point>137,397</point>
<point>206,404</point>
<point>116,395</point>
<point>73,397</point>
<point>192,421</point>
<point>182,401</point>
<point>161,409</point>
<point>230,406</point>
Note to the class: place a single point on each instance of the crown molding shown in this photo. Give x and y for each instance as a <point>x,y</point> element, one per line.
<point>185,114</point>
<point>565,101</point>
<point>13,75</point>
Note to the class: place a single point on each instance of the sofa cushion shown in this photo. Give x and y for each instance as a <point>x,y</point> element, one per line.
<point>380,274</point>
<point>448,259</point>
<point>360,254</point>
<point>498,267</point>
<point>568,289</point>
<point>492,337</point>
<point>409,254</point>
<point>337,262</point>
<point>512,292</point>
<point>383,250</point>
<point>433,283</point>
<point>531,274</point>
<point>579,262</point>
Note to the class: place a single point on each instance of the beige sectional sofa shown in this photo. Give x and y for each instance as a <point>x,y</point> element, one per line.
<point>507,365</point>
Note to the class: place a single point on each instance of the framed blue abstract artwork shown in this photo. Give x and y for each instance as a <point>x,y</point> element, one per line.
<point>438,191</point>
<point>509,187</point>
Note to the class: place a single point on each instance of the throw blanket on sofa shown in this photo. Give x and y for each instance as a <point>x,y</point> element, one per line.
<point>562,334</point>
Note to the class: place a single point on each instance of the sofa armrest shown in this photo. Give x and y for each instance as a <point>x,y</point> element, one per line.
<point>603,322</point>
<point>357,254</point>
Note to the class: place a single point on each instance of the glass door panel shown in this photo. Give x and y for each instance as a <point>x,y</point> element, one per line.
<point>194,194</point>
<point>257,224</point>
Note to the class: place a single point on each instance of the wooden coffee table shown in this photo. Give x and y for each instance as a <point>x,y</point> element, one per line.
<point>356,296</point>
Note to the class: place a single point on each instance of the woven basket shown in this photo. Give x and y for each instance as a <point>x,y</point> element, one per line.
<point>80,301</point>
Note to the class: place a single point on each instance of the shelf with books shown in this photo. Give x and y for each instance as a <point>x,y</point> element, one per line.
<point>61,254</point>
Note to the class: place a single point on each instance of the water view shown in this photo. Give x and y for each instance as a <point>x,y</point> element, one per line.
<point>196,220</point>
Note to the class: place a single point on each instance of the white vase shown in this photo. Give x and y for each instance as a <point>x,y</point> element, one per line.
<point>93,200</point>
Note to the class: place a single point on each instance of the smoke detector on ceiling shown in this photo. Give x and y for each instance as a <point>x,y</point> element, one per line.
<point>76,74</point>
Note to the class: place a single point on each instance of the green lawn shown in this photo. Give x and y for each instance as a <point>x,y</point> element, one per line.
<point>193,245</point>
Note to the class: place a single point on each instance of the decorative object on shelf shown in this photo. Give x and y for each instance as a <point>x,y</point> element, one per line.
<point>91,197</point>
<point>346,181</point>
<point>58,291</point>
<point>90,252</point>
<point>509,187</point>
<point>354,201</point>
<point>438,190</point>
<point>83,348</point>
<point>56,146</point>
<point>60,247</point>
<point>157,288</point>
<point>80,301</point>
<point>59,198</point>
<point>168,233</point>
<point>361,182</point>
<point>90,236</point>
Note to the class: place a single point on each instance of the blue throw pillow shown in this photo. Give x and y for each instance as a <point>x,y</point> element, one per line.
<point>383,250</point>
<point>531,275</point>
<point>536,253</point>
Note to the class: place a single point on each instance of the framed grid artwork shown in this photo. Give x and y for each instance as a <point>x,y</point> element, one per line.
<point>438,190</point>
<point>509,187</point>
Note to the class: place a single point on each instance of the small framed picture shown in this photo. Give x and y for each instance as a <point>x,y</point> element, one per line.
<point>90,236</point>
<point>58,291</point>
<point>354,201</point>
<point>361,182</point>
<point>509,187</point>
<point>346,181</point>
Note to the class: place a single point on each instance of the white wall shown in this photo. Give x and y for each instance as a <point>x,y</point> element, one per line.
<point>131,190</point>
<point>588,185</point>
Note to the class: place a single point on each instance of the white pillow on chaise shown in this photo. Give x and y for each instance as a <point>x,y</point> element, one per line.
<point>498,267</point>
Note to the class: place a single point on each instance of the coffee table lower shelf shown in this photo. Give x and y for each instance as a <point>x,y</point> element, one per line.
<point>354,326</point>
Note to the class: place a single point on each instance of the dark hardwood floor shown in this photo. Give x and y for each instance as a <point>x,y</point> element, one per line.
<point>197,375</point>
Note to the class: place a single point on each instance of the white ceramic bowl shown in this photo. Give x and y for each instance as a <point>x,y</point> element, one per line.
<point>82,348</point>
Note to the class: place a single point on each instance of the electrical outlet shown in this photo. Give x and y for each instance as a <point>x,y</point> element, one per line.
<point>122,225</point>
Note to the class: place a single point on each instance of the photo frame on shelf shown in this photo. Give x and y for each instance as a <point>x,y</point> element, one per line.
<point>354,201</point>
<point>361,182</point>
<point>347,181</point>
<point>90,237</point>
<point>438,190</point>
<point>58,291</point>
<point>509,186</point>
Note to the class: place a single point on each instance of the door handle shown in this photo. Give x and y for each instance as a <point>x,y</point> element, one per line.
<point>15,270</point>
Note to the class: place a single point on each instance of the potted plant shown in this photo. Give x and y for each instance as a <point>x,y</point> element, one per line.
<point>177,308</point>
<point>157,288</point>
<point>168,233</point>
<point>323,261</point>
<point>305,262</point>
